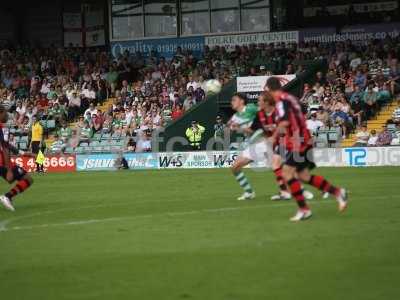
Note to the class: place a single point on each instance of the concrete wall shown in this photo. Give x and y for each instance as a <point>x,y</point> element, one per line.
<point>7,25</point>
<point>43,23</point>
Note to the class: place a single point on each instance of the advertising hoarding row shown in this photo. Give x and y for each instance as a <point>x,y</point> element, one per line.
<point>52,163</point>
<point>164,47</point>
<point>355,33</point>
<point>327,157</point>
<point>230,41</point>
<point>167,46</point>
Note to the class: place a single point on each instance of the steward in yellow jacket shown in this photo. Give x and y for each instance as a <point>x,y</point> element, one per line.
<point>194,135</point>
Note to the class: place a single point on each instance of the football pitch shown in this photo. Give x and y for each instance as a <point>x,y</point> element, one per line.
<point>182,235</point>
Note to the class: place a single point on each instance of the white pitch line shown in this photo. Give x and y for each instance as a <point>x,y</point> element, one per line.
<point>3,227</point>
<point>4,224</point>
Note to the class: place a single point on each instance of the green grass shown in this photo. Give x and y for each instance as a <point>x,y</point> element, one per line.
<point>182,235</point>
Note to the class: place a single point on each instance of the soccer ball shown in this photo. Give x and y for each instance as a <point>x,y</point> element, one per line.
<point>213,86</point>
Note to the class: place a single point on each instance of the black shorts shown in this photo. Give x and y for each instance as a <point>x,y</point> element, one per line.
<point>279,150</point>
<point>35,147</point>
<point>18,173</point>
<point>300,160</point>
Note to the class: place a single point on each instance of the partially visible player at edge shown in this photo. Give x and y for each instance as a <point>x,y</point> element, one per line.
<point>296,149</point>
<point>8,171</point>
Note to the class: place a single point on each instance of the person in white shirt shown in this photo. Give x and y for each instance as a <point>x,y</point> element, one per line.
<point>92,110</point>
<point>396,138</point>
<point>21,108</point>
<point>74,105</point>
<point>372,139</point>
<point>314,124</point>
<point>45,89</point>
<point>89,93</point>
<point>144,142</point>
<point>30,112</point>
<point>129,114</point>
<point>319,90</point>
<point>362,137</point>
<point>156,119</point>
<point>189,102</point>
<point>355,62</point>
<point>192,83</point>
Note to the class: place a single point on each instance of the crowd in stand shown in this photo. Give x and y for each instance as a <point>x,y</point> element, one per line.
<point>389,136</point>
<point>69,84</point>
<point>359,81</point>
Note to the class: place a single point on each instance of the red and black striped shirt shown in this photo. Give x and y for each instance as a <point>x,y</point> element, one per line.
<point>266,122</point>
<point>3,146</point>
<point>297,137</point>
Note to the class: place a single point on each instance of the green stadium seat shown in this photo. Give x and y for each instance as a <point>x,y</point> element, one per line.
<point>106,149</point>
<point>333,136</point>
<point>23,146</point>
<point>116,136</point>
<point>321,141</point>
<point>116,148</point>
<point>105,136</point>
<point>69,150</point>
<point>326,138</point>
<point>51,124</point>
<point>24,138</point>
<point>79,150</point>
<point>97,149</point>
<point>391,128</point>
<point>96,137</point>
<point>47,124</point>
<point>121,143</point>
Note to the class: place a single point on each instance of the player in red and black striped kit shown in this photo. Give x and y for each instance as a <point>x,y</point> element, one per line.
<point>296,148</point>
<point>9,171</point>
<point>265,120</point>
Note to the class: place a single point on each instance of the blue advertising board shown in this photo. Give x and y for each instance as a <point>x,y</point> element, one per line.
<point>104,162</point>
<point>324,157</point>
<point>164,47</point>
<point>142,161</point>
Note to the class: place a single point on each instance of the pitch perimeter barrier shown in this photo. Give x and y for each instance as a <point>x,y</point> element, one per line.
<point>327,157</point>
<point>103,162</point>
<point>52,163</point>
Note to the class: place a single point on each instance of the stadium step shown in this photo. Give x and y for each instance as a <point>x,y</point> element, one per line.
<point>379,121</point>
<point>106,104</point>
<point>348,142</point>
